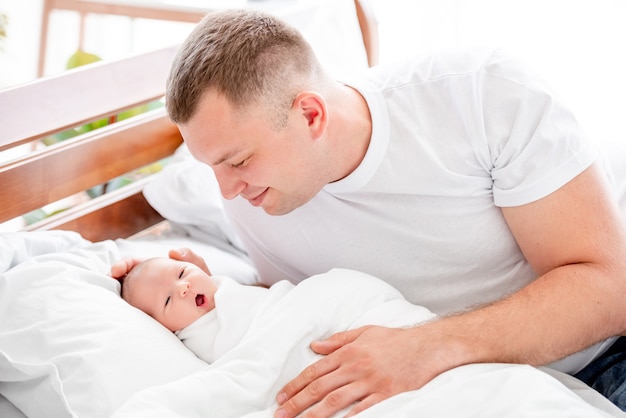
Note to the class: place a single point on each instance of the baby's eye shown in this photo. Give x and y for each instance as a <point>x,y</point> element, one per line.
<point>167,301</point>
<point>180,276</point>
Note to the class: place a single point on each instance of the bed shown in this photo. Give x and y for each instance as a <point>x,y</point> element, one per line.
<point>71,347</point>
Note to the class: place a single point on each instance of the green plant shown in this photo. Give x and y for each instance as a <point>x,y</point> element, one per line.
<point>4,23</point>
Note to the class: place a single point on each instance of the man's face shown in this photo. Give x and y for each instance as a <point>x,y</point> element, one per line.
<point>276,169</point>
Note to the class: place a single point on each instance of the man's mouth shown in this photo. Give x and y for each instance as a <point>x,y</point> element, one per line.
<point>258,200</point>
<point>200,299</point>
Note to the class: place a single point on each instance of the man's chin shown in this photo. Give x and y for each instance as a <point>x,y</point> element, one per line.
<point>279,208</point>
<point>273,211</point>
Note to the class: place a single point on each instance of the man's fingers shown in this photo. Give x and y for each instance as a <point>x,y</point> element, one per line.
<point>336,341</point>
<point>185,254</point>
<point>310,374</point>
<point>123,266</point>
<point>338,399</point>
<point>335,396</point>
<point>366,403</point>
<point>323,385</point>
<point>180,254</point>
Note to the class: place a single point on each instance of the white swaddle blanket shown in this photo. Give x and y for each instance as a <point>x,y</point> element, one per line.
<point>220,330</point>
<point>258,339</point>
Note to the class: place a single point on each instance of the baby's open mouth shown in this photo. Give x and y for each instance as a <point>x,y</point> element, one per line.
<point>199,300</point>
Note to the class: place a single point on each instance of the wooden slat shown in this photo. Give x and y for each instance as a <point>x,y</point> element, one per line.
<point>49,105</point>
<point>138,9</point>
<point>119,214</point>
<point>369,30</point>
<point>83,162</point>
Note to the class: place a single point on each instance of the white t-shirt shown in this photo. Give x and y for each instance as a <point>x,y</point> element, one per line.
<point>455,137</point>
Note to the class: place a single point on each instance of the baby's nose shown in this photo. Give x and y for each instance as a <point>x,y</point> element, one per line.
<point>183,288</point>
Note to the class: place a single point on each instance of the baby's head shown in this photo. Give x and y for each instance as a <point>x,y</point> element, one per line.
<point>173,292</point>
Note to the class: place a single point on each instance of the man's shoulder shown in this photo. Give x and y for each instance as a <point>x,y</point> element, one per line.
<point>433,66</point>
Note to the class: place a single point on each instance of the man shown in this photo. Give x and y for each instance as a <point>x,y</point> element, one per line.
<point>457,178</point>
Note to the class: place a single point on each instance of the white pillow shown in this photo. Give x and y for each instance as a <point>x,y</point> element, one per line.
<point>70,346</point>
<point>16,247</point>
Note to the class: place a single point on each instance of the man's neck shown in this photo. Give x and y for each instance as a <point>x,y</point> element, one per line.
<point>350,129</point>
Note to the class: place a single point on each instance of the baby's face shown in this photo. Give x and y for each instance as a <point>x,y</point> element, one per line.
<point>175,293</point>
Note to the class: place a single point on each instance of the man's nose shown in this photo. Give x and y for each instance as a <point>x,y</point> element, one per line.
<point>230,185</point>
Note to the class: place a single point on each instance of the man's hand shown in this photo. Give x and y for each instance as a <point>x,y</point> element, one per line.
<point>363,367</point>
<point>185,254</point>
<point>123,266</point>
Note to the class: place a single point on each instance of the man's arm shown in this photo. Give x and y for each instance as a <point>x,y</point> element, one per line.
<point>575,240</point>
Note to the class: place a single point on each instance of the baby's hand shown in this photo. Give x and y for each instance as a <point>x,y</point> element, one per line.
<point>185,254</point>
<point>122,267</point>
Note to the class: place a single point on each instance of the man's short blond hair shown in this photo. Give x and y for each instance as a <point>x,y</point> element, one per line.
<point>250,57</point>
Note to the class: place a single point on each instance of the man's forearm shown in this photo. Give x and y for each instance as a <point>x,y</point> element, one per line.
<point>562,312</point>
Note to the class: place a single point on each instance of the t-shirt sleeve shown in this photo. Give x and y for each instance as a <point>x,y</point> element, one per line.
<point>535,142</point>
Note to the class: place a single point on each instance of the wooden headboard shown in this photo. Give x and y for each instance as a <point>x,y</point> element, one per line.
<point>43,175</point>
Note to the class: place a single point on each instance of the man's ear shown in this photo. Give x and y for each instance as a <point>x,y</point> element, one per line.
<point>312,107</point>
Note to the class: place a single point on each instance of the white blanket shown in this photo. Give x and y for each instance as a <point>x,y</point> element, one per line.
<point>261,341</point>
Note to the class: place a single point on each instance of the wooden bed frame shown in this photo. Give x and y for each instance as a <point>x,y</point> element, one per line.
<point>47,106</point>
<point>52,105</point>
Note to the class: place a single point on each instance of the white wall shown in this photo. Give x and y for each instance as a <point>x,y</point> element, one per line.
<point>579,45</point>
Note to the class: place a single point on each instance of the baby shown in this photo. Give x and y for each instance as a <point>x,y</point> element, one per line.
<point>186,300</point>
<point>175,293</point>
